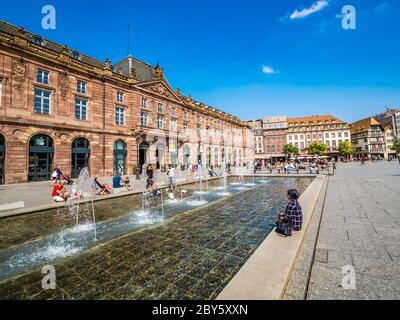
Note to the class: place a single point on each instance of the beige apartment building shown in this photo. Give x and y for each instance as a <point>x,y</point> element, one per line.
<point>325,129</point>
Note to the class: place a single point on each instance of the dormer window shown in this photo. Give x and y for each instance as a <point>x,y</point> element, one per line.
<point>75,55</point>
<point>81,87</point>
<point>173,111</point>
<point>120,96</point>
<point>42,76</point>
<point>38,40</point>
<point>144,103</point>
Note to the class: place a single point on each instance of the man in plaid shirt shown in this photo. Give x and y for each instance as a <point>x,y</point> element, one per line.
<point>293,210</point>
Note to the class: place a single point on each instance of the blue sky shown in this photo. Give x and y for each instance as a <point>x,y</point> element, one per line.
<point>250,58</point>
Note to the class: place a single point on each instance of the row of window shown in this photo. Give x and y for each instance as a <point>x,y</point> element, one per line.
<point>160,109</point>
<point>303,145</point>
<point>275,126</point>
<point>43,77</point>
<point>314,136</point>
<point>316,128</point>
<point>42,105</point>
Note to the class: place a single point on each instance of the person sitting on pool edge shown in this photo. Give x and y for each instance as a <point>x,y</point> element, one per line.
<point>105,189</point>
<point>293,211</point>
<point>117,181</point>
<point>60,193</point>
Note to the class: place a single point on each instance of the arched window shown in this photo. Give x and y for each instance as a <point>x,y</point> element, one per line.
<point>120,153</point>
<point>41,153</point>
<point>2,159</point>
<point>199,155</point>
<point>143,155</point>
<point>80,155</point>
<point>38,40</point>
<point>173,152</point>
<point>216,157</point>
<point>160,155</point>
<point>208,156</point>
<point>186,156</point>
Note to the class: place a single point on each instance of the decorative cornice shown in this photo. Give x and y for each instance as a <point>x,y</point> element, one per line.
<point>64,61</point>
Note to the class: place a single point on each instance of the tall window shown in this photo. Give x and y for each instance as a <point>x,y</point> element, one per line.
<point>1,91</point>
<point>81,109</point>
<point>144,103</point>
<point>185,127</point>
<point>160,122</point>
<point>43,76</point>
<point>81,87</point>
<point>42,101</point>
<point>198,129</point>
<point>143,119</point>
<point>160,107</point>
<point>120,96</point>
<point>172,125</point>
<point>185,116</point>
<point>120,116</point>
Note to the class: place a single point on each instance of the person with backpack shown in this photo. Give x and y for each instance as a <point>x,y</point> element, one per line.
<point>292,220</point>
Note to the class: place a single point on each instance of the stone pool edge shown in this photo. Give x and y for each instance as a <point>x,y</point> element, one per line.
<point>266,273</point>
<point>19,212</point>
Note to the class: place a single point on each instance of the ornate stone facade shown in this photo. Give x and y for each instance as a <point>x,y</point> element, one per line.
<point>132,115</point>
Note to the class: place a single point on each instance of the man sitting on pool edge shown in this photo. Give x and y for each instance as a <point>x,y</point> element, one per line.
<point>293,212</point>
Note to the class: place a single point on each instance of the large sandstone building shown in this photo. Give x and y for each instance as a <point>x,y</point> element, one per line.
<point>59,107</point>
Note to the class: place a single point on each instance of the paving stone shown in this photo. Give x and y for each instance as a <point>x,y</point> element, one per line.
<point>362,203</point>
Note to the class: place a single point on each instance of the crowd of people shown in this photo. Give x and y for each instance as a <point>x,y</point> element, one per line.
<point>315,166</point>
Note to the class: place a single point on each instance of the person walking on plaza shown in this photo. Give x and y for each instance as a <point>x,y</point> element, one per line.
<point>171,176</point>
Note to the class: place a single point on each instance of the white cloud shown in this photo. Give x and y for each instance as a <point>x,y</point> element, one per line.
<point>382,7</point>
<point>268,70</point>
<point>316,6</point>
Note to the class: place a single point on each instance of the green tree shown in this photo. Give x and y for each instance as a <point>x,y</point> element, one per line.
<point>317,148</point>
<point>346,148</point>
<point>396,145</point>
<point>290,149</point>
